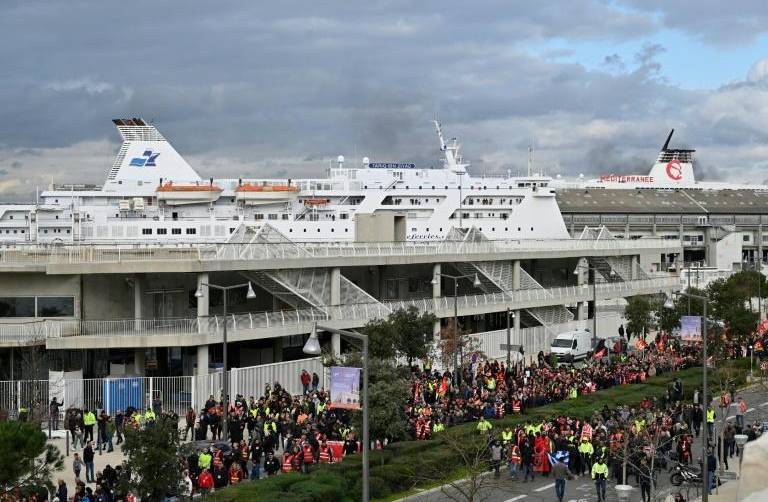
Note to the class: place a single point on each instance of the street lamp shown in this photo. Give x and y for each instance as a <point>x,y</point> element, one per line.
<point>594,271</point>
<point>225,380</point>
<point>476,283</point>
<point>741,440</point>
<point>312,348</point>
<point>757,268</point>
<point>704,432</point>
<point>510,316</point>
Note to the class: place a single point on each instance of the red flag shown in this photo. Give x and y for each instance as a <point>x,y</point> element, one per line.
<point>641,344</point>
<point>600,354</point>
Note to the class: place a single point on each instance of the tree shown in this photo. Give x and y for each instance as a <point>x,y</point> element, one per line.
<point>638,314</point>
<point>388,397</point>
<point>380,343</point>
<point>26,460</point>
<point>413,332</point>
<point>469,452</point>
<point>464,343</point>
<point>152,458</point>
<point>404,333</point>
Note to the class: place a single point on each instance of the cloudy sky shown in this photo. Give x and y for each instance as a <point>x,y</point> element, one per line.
<point>245,88</point>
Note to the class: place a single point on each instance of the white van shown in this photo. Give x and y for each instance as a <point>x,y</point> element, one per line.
<point>572,345</point>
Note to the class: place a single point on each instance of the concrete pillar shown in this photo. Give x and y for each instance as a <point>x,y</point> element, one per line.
<point>336,345</point>
<point>516,274</point>
<point>633,267</point>
<point>760,242</point>
<point>335,288</point>
<point>626,229</point>
<point>203,305</point>
<point>277,350</point>
<point>436,292</point>
<point>202,360</point>
<point>138,293</point>
<point>139,361</point>
<point>516,332</point>
<point>582,278</point>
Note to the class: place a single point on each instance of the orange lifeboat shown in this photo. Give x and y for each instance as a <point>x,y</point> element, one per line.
<point>316,202</point>
<point>178,194</point>
<point>264,194</point>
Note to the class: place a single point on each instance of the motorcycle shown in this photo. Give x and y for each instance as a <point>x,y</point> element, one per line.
<point>682,473</point>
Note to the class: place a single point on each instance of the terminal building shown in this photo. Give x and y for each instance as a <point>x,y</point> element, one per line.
<point>158,310</point>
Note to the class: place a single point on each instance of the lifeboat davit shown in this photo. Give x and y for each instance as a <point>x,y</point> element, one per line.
<point>265,194</point>
<point>179,194</point>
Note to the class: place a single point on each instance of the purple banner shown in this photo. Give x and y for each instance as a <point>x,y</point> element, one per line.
<point>345,387</point>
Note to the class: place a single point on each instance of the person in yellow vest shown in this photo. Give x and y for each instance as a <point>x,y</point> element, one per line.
<point>711,421</point>
<point>89,420</point>
<point>438,427</point>
<point>639,425</point>
<point>600,475</point>
<point>149,418</point>
<point>506,436</point>
<point>484,426</point>
<point>586,450</point>
<point>204,460</point>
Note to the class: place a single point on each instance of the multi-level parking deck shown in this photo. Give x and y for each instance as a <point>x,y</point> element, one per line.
<point>116,297</point>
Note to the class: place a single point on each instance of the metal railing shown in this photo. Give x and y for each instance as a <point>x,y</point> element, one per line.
<point>363,312</point>
<point>116,253</point>
<point>161,393</point>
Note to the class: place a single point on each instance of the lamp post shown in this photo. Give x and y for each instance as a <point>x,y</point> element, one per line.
<point>594,271</point>
<point>476,283</point>
<point>510,315</point>
<point>741,440</point>
<point>224,377</point>
<point>757,267</point>
<point>704,431</point>
<point>312,347</point>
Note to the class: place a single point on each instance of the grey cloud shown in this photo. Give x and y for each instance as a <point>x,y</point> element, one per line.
<point>253,89</point>
<point>733,23</point>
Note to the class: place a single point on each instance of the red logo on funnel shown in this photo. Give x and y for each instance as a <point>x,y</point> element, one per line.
<point>674,171</point>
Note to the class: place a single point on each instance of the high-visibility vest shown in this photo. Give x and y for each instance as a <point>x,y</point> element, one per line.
<point>267,425</point>
<point>599,469</point>
<point>234,476</point>
<point>484,426</point>
<point>516,406</point>
<point>499,409</point>
<point>89,418</point>
<point>586,448</point>
<point>710,416</point>
<point>149,415</point>
<point>438,427</point>
<point>325,454</point>
<point>287,463</point>
<point>514,455</point>
<point>506,437</point>
<point>204,461</point>
<point>308,456</point>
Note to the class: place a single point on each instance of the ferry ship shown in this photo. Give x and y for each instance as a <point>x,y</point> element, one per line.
<point>153,196</point>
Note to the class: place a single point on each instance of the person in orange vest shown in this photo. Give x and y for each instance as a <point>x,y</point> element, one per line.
<point>309,456</point>
<point>235,473</point>
<point>287,462</point>
<point>244,456</point>
<point>421,427</point>
<point>325,453</point>
<point>513,460</point>
<point>297,459</point>
<point>517,406</point>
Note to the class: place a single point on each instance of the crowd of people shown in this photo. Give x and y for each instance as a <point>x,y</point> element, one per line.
<point>279,432</point>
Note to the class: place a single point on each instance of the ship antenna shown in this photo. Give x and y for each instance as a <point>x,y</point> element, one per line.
<point>666,143</point>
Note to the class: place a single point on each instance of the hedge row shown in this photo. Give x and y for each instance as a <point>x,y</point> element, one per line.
<point>393,470</point>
